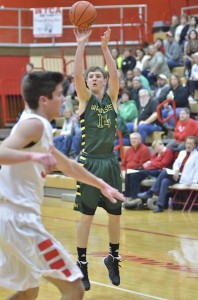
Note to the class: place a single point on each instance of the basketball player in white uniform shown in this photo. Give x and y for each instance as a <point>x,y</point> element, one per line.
<point>27,251</point>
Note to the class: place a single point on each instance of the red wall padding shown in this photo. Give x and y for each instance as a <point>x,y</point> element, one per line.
<point>12,66</point>
<point>158,10</point>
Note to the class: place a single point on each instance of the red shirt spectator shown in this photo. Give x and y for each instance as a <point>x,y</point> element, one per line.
<point>185,128</point>
<point>162,160</point>
<point>136,155</point>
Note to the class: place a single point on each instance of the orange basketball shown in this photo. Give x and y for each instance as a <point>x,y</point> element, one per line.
<point>82,14</point>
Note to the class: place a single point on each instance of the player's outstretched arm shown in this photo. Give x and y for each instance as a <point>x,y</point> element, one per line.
<point>82,37</point>
<point>73,169</point>
<point>11,156</point>
<point>113,86</point>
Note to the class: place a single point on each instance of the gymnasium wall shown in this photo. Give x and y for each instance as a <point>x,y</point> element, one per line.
<point>13,60</point>
<point>157,9</point>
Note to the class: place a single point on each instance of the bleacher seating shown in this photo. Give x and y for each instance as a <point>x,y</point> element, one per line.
<point>61,186</point>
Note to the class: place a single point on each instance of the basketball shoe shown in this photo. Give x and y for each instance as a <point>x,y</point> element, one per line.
<point>112,264</point>
<point>84,269</point>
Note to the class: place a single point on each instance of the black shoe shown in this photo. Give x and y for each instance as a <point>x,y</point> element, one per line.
<point>85,280</point>
<point>144,195</point>
<point>112,264</point>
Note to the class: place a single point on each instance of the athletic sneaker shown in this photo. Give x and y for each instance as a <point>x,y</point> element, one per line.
<point>85,280</point>
<point>112,264</point>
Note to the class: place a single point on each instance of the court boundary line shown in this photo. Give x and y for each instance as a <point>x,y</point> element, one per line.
<point>128,291</point>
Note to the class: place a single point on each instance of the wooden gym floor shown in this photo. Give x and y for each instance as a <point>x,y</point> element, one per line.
<point>159,253</point>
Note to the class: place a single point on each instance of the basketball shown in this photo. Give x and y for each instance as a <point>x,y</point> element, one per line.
<point>82,14</point>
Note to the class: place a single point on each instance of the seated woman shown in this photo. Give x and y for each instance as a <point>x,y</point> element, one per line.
<point>191,47</point>
<point>179,94</point>
<point>155,64</point>
<point>162,158</point>
<point>127,108</point>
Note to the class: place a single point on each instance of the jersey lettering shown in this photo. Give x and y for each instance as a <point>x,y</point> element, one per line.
<point>103,121</point>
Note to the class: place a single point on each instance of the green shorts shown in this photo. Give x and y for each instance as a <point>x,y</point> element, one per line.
<point>105,166</point>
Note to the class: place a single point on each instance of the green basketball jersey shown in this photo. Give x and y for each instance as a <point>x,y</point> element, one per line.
<point>98,124</point>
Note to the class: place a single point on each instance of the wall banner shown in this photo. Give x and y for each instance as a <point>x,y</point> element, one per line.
<point>47,22</point>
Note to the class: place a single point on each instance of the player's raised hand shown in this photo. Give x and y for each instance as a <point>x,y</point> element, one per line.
<point>106,37</point>
<point>82,35</point>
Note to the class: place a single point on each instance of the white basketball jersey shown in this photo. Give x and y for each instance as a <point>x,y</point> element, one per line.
<point>22,184</point>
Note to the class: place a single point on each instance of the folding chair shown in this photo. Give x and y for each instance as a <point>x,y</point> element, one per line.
<point>195,199</point>
<point>190,189</point>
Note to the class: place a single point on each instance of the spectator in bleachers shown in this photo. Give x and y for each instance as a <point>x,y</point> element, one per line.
<point>122,87</point>
<point>61,142</point>
<point>192,83</point>
<point>183,23</point>
<point>117,57</point>
<point>173,51</point>
<point>162,158</point>
<point>162,89</point>
<point>146,122</point>
<point>193,24</point>
<point>75,138</point>
<point>136,155</point>
<point>174,24</point>
<point>155,63</point>
<point>191,47</point>
<point>186,126</point>
<point>159,44</point>
<point>144,80</point>
<point>140,57</point>
<point>185,164</point>
<point>179,94</point>
<point>128,62</point>
<point>29,68</point>
<point>121,126</point>
<point>129,79</point>
<point>136,87</point>
<point>127,109</point>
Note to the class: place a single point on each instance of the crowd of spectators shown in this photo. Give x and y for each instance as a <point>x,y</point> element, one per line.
<point>147,78</point>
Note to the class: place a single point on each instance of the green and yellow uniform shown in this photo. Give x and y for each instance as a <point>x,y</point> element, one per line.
<point>98,124</point>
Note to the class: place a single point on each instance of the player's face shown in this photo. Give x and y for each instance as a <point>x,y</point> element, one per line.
<point>96,81</point>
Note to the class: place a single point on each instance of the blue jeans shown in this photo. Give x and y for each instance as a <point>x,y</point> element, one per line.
<point>152,78</point>
<point>144,129</point>
<point>63,144</point>
<point>161,186</point>
<point>76,144</point>
<point>173,64</point>
<point>170,124</point>
<point>133,180</point>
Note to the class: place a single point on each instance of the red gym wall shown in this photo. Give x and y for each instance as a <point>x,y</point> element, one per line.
<point>158,10</point>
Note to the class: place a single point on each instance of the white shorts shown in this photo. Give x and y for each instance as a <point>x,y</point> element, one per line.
<point>28,251</point>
